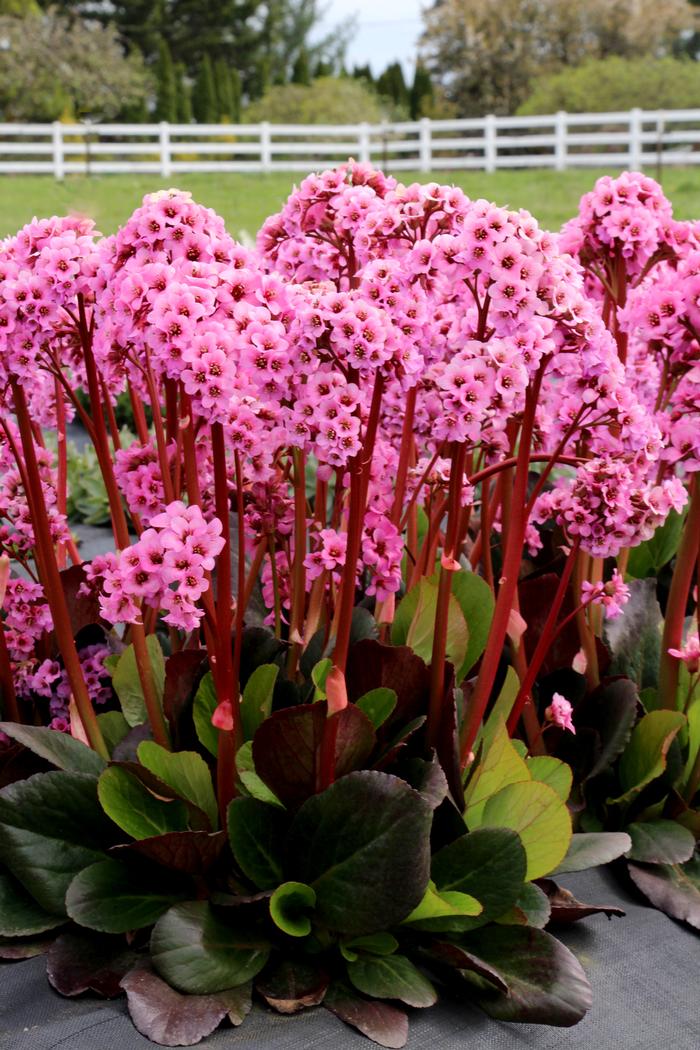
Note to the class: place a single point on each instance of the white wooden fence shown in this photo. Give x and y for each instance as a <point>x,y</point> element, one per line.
<point>562,140</point>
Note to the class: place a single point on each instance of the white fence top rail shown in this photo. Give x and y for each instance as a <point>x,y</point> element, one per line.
<point>553,140</point>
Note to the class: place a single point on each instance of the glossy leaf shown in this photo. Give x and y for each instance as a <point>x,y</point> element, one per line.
<point>378,704</point>
<point>256,833</point>
<point>245,767</point>
<point>541,819</point>
<point>291,906</point>
<point>392,977</point>
<point>114,728</point>
<point>81,962</point>
<point>660,842</point>
<point>588,849</point>
<point>189,852</point>
<point>552,771</point>
<point>256,703</point>
<point>196,952</point>
<point>649,557</point>
<point>20,915</point>
<point>489,864</point>
<point>382,1023</point>
<point>14,949</point>
<point>500,765</point>
<point>455,956</point>
<point>186,773</point>
<point>114,898</point>
<point>532,908</point>
<point>60,749</point>
<point>438,905</point>
<point>127,684</point>
<point>292,985</point>
<point>428,778</point>
<point>51,826</point>
<point>500,710</point>
<point>374,943</point>
<point>205,701</point>
<point>546,984</point>
<point>363,844</point>
<point>674,888</point>
<point>419,636</point>
<point>171,1019</point>
<point>566,909</point>
<point>135,809</point>
<point>644,758</point>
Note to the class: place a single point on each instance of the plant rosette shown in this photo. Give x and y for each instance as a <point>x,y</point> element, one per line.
<point>381,891</point>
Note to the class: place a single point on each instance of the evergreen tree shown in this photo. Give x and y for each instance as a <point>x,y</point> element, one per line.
<point>391,84</point>
<point>204,94</point>
<point>422,94</point>
<point>166,89</point>
<point>236,93</point>
<point>222,88</point>
<point>184,95</point>
<point>322,69</point>
<point>363,73</point>
<point>301,71</point>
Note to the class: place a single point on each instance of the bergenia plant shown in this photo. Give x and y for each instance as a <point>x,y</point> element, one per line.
<point>371,547</point>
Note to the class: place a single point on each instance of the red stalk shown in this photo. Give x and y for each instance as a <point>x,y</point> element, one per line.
<point>681,583</point>
<point>298,568</point>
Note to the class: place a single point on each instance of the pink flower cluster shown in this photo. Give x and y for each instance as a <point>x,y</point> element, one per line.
<point>612,596</point>
<point>50,680</point>
<point>166,569</point>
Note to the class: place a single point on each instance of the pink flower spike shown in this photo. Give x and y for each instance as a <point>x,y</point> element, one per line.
<point>559,713</point>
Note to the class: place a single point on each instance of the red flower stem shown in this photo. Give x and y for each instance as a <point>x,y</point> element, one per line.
<point>139,416</point>
<point>512,461</point>
<point>227,689</point>
<point>407,443</point>
<point>586,635</point>
<point>485,534</point>
<point>437,662</point>
<point>241,603</point>
<point>509,574</point>
<point>681,583</point>
<point>153,706</point>
<point>10,707</point>
<point>111,418</point>
<point>161,444</point>
<point>62,473</point>
<point>50,577</point>
<point>544,644</point>
<point>189,450</point>
<point>296,624</point>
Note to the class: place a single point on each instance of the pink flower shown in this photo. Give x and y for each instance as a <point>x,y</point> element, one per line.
<point>689,653</point>
<point>559,713</point>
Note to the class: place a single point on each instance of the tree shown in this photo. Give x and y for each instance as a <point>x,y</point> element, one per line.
<point>422,94</point>
<point>166,91</point>
<point>363,73</point>
<point>610,84</point>
<point>52,67</point>
<point>301,71</point>
<point>485,53</point>
<point>391,85</point>
<point>204,104</point>
<point>329,100</point>
<point>184,95</point>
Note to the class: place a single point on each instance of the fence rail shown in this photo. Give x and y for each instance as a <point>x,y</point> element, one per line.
<point>560,141</point>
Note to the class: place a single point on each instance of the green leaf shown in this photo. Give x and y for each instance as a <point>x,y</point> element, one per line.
<point>127,684</point>
<point>198,953</point>
<point>185,772</point>
<point>256,703</point>
<point>256,833</point>
<point>20,915</point>
<point>363,844</point>
<point>114,728</point>
<point>489,864</point>
<point>60,749</point>
<point>475,600</point>
<point>546,984</point>
<point>378,704</point>
<point>674,888</point>
<point>541,819</point>
<point>205,701</point>
<point>500,710</point>
<point>500,765</point>
<point>135,809</point>
<point>549,770</point>
<point>290,905</point>
<point>588,849</point>
<point>319,674</point>
<point>644,758</point>
<point>420,633</point>
<point>693,738</point>
<point>375,944</point>
<point>51,826</point>
<point>634,638</point>
<point>649,558</point>
<point>392,977</point>
<point>113,898</point>
<point>660,842</point>
<point>532,908</point>
<point>438,905</point>
<point>245,767</point>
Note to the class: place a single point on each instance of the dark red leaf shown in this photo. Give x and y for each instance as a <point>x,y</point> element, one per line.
<point>17,948</point>
<point>565,907</point>
<point>372,665</point>
<point>293,985</point>
<point>182,673</point>
<point>89,962</point>
<point>377,1020</point>
<point>674,888</point>
<point>459,958</point>
<point>83,610</point>
<point>192,852</point>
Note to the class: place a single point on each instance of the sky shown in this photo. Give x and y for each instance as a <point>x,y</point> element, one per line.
<point>386,30</point>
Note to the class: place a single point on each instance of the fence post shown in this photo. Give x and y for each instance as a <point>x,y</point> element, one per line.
<point>490,154</point>
<point>425,144</point>
<point>560,141</point>
<point>363,148</point>
<point>635,146</point>
<point>57,139</point>
<point>265,146</point>
<point>164,139</point>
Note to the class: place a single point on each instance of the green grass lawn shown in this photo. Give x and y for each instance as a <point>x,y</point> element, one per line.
<point>245,200</point>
